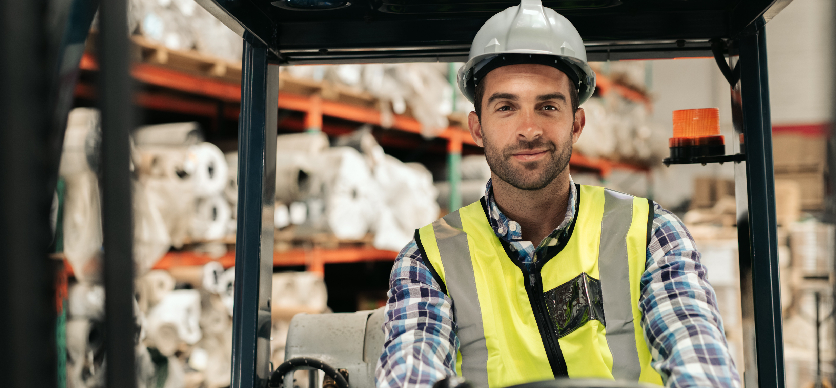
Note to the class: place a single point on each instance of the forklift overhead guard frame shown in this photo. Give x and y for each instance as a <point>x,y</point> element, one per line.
<point>644,29</point>
<point>47,56</point>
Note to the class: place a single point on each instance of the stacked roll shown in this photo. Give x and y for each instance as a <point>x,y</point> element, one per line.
<point>407,202</point>
<point>187,181</point>
<point>82,202</point>
<point>351,193</point>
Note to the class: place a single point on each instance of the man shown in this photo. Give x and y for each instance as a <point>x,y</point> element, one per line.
<point>543,278</point>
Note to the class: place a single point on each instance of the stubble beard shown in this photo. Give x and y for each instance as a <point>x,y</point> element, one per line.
<point>528,176</point>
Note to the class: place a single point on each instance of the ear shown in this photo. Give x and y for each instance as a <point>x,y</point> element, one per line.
<point>475,128</point>
<point>577,126</point>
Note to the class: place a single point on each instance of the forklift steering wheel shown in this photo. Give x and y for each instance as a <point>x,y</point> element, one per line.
<point>277,377</point>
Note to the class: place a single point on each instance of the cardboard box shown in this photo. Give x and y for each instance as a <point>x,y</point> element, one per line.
<point>812,187</point>
<point>787,201</point>
<point>799,153</point>
<point>812,244</point>
<point>709,190</point>
<point>703,193</point>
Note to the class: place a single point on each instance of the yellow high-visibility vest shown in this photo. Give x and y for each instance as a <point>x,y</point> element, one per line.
<point>575,314</point>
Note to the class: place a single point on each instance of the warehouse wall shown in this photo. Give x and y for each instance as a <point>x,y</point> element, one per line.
<point>800,43</point>
<point>799,40</point>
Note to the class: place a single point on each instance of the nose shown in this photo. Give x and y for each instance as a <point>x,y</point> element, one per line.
<point>528,129</point>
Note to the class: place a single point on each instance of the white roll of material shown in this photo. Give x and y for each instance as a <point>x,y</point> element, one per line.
<point>84,340</point>
<point>83,225</point>
<point>209,169</point>
<point>172,134</point>
<point>82,128</point>
<point>231,188</point>
<point>351,193</point>
<point>297,157</point>
<point>306,143</point>
<point>212,273</point>
<point>214,319</point>
<point>470,191</point>
<point>408,200</point>
<point>298,213</point>
<point>388,233</point>
<point>176,315</point>
<point>85,301</point>
<point>295,178</point>
<point>153,288</point>
<point>475,167</point>
<point>281,216</point>
<point>227,289</point>
<point>299,290</point>
<point>210,219</point>
<point>82,202</point>
<point>151,236</point>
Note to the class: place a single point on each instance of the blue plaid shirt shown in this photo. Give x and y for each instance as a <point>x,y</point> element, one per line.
<point>681,322</point>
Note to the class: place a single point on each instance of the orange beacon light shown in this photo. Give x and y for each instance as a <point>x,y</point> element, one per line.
<point>696,133</point>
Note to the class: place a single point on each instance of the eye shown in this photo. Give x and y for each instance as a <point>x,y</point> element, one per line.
<point>550,107</point>
<point>504,108</point>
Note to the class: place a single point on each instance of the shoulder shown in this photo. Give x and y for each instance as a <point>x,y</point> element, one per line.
<point>668,231</point>
<point>410,268</point>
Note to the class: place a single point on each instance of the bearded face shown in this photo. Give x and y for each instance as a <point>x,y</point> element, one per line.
<point>533,175</point>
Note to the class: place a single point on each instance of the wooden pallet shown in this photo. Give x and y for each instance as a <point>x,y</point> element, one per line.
<point>193,62</point>
<point>147,51</point>
<point>288,239</point>
<point>328,91</point>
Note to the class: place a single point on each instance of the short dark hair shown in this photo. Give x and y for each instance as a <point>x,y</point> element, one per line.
<point>480,93</point>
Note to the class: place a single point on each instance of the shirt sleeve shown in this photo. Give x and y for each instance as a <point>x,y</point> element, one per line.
<point>420,340</point>
<point>681,321</point>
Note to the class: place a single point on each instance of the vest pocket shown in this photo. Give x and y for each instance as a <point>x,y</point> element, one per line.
<point>574,303</point>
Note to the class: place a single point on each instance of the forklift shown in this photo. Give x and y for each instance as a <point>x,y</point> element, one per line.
<point>47,38</point>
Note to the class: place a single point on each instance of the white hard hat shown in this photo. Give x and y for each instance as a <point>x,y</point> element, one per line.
<point>528,33</point>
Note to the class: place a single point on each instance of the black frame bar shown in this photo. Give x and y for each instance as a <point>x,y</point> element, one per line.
<point>27,292</point>
<point>757,231</point>
<point>256,198</point>
<point>115,102</point>
<point>27,154</point>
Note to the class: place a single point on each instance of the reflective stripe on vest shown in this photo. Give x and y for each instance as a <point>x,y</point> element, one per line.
<point>496,317</point>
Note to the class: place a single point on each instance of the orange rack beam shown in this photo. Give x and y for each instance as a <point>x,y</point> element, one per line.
<point>231,92</point>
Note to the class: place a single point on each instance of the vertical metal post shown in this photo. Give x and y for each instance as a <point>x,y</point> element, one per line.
<point>117,221</point>
<point>454,150</point>
<point>451,78</point>
<point>27,294</point>
<point>831,162</point>
<point>313,117</point>
<point>256,199</point>
<point>818,384</point>
<point>454,170</point>
<point>757,233</point>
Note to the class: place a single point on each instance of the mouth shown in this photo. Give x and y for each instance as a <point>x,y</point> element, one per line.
<point>529,155</point>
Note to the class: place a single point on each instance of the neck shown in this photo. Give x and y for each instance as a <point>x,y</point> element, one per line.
<point>538,212</point>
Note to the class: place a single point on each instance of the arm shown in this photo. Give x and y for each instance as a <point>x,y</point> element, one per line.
<point>681,321</point>
<point>421,342</point>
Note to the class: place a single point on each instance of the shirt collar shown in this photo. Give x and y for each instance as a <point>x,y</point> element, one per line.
<point>510,230</point>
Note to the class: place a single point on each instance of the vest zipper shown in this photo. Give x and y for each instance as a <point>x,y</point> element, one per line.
<point>534,288</point>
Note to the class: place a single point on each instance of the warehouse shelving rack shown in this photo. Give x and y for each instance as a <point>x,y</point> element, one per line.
<point>221,96</point>
<point>47,39</point>
<point>200,90</point>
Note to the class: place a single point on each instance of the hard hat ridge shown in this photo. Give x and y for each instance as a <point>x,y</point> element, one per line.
<point>530,29</point>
